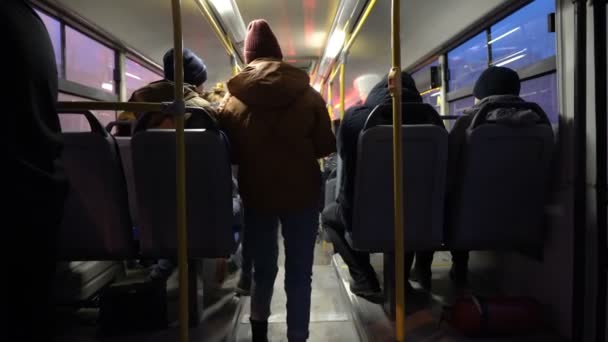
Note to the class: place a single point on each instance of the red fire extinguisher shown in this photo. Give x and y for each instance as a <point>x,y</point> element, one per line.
<point>494,317</point>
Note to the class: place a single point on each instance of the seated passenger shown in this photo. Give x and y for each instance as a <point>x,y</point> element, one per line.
<point>495,84</point>
<point>337,217</point>
<point>195,75</point>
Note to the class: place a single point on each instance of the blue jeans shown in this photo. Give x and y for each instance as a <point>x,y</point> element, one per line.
<point>299,232</point>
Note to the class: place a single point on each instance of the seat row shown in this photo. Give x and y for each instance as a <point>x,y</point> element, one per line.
<point>121,202</point>
<point>495,200</point>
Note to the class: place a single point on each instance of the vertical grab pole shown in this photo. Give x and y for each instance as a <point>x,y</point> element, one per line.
<point>341,80</point>
<point>398,191</point>
<point>182,233</point>
<point>329,100</point>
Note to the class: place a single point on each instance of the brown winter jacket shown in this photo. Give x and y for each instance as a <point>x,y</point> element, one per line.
<point>278,127</point>
<point>161,91</point>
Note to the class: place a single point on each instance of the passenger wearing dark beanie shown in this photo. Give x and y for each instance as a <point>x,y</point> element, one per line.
<point>494,84</point>
<point>195,70</point>
<point>261,42</point>
<point>497,81</point>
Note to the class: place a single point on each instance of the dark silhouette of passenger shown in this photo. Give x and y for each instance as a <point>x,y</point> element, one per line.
<point>278,128</point>
<point>195,75</point>
<point>495,84</point>
<point>337,217</point>
<point>34,134</point>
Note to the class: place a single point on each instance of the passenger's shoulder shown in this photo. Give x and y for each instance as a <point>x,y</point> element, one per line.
<point>313,97</point>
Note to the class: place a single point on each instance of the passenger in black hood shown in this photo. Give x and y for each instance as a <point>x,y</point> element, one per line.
<point>495,84</point>
<point>337,217</point>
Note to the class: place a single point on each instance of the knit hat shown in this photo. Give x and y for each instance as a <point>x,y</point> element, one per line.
<point>497,81</point>
<point>364,84</point>
<point>195,71</point>
<point>261,42</point>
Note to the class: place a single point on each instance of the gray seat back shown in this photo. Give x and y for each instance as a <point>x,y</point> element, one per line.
<point>424,174</point>
<point>209,191</point>
<point>124,149</point>
<point>501,196</point>
<point>330,191</point>
<point>96,223</point>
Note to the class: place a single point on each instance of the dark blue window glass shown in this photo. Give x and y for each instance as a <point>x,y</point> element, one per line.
<point>523,38</point>
<point>457,107</point>
<point>467,61</point>
<point>542,90</point>
<point>433,98</point>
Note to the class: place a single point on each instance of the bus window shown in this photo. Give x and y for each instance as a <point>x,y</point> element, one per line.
<point>467,62</point>
<point>78,123</point>
<point>542,90</point>
<point>457,107</point>
<point>523,38</point>
<point>53,26</point>
<point>89,62</point>
<point>137,76</point>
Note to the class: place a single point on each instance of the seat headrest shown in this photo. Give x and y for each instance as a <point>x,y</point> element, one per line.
<point>413,113</point>
<point>199,118</point>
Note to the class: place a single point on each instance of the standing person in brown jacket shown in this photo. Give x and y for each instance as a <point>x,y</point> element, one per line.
<point>278,127</point>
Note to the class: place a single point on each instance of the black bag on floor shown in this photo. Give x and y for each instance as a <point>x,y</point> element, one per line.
<point>133,307</point>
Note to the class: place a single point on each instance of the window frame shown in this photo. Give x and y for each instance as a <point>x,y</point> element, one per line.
<point>538,69</point>
<point>72,20</point>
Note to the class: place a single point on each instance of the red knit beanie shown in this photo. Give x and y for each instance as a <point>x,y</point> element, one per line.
<point>261,42</point>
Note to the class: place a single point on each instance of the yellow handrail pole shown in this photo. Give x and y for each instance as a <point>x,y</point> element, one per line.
<point>398,191</point>
<point>330,100</point>
<point>333,73</point>
<point>122,106</point>
<point>342,74</point>
<point>202,4</point>
<point>360,23</point>
<point>182,233</point>
<point>235,66</point>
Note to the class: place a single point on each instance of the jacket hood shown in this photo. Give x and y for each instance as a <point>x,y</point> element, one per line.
<point>381,95</point>
<point>268,83</point>
<point>490,99</point>
<point>162,90</point>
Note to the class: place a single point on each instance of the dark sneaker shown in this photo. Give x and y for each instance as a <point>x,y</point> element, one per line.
<point>259,331</point>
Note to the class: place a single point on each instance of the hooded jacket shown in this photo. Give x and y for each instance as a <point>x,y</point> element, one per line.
<point>278,127</point>
<point>160,91</point>
<point>352,125</point>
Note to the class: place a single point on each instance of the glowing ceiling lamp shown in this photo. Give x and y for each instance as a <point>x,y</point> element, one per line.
<point>335,43</point>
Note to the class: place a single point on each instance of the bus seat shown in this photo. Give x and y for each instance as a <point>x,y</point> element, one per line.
<point>77,281</point>
<point>209,191</point>
<point>330,191</point>
<point>502,184</point>
<point>96,223</point>
<point>124,148</point>
<point>425,163</point>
